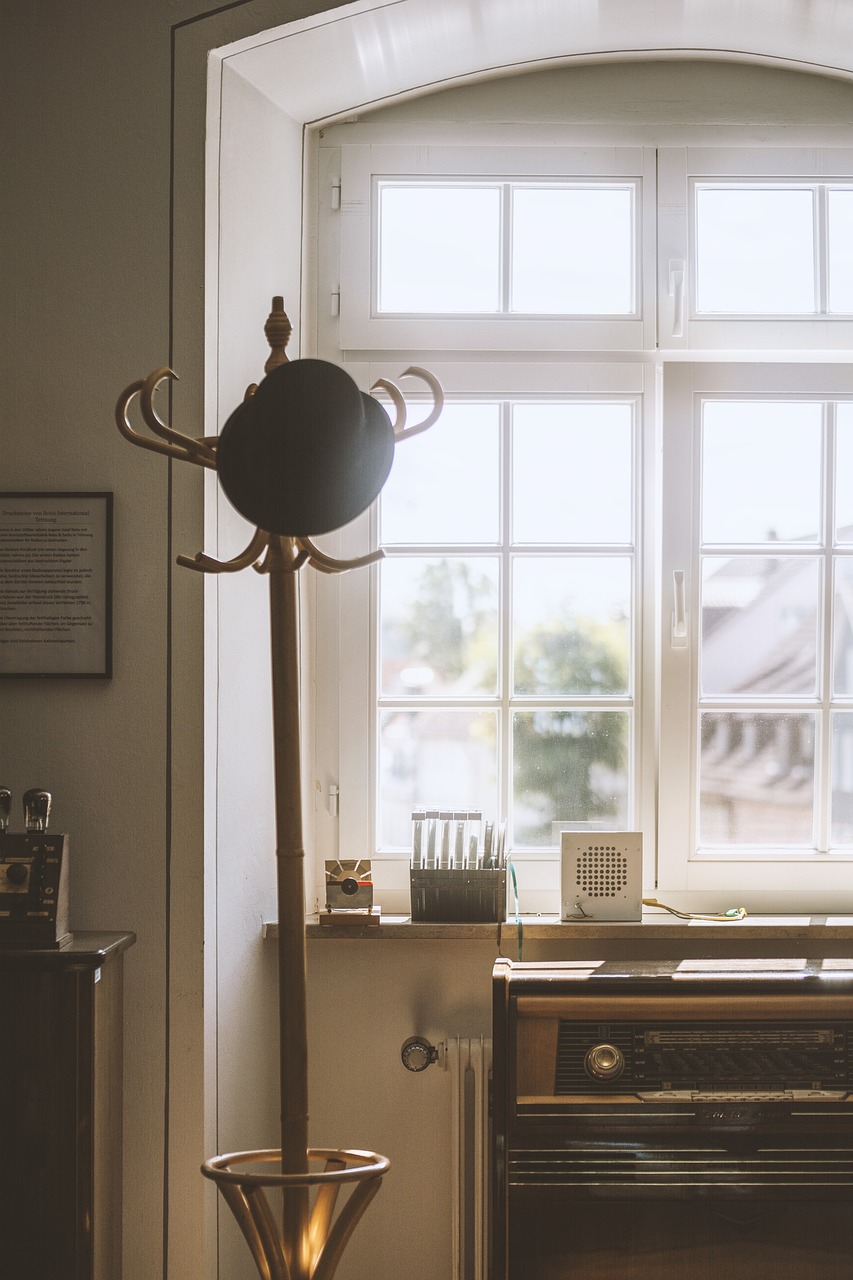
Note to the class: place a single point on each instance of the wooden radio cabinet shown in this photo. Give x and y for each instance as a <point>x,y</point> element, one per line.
<point>665,1120</point>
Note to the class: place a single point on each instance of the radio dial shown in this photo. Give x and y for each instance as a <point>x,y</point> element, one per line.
<point>604,1062</point>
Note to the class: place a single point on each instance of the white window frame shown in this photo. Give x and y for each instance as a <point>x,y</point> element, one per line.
<point>789,878</point>
<point>682,327</point>
<point>520,356</point>
<point>362,329</point>
<point>347,642</point>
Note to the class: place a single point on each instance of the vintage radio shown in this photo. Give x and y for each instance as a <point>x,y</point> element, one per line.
<point>33,878</point>
<point>663,1120</point>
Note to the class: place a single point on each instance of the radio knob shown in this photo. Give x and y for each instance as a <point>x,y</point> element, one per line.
<point>604,1062</point>
<point>16,872</point>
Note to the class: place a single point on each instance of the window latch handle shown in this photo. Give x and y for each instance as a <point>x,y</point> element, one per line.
<point>678,636</point>
<point>676,292</point>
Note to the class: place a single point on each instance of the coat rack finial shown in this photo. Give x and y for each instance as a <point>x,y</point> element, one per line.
<point>278,330</point>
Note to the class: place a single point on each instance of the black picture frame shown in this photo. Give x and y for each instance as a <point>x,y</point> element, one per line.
<point>56,585</point>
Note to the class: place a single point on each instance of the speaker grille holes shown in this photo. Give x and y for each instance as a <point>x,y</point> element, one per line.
<point>601,871</point>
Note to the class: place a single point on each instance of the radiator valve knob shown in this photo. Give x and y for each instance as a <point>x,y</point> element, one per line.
<point>604,1062</point>
<point>418,1054</point>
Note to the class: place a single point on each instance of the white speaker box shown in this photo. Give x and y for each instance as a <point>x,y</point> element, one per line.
<point>601,875</point>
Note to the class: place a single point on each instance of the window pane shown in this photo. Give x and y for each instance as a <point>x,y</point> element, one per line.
<point>755,251</point>
<point>840,250</point>
<point>568,766</point>
<point>571,624</point>
<point>756,778</point>
<point>437,758</point>
<point>572,473</point>
<point>844,473</point>
<point>842,778</point>
<point>759,625</point>
<point>761,471</point>
<point>842,655</point>
<point>445,484</point>
<point>439,249</point>
<point>573,250</point>
<point>439,626</point>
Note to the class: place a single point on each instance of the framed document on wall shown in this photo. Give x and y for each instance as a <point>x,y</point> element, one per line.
<point>56,584</point>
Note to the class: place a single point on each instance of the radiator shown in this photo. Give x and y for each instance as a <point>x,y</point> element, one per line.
<point>468,1059</point>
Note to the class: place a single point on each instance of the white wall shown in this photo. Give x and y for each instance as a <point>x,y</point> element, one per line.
<point>255,186</point>
<point>103,166</point>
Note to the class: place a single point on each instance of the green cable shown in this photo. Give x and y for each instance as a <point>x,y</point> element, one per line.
<point>518,923</point>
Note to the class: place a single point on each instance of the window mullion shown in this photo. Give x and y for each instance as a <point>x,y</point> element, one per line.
<point>678,705</point>
<point>506,638</point>
<point>822,249</point>
<point>823,781</point>
<point>506,247</point>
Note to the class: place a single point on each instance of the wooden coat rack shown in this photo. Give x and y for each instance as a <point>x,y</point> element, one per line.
<point>307,1241</point>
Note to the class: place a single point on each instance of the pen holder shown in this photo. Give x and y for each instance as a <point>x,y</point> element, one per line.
<point>458,895</point>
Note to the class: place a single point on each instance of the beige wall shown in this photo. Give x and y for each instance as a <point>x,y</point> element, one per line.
<point>85,309</point>
<point>92,300</point>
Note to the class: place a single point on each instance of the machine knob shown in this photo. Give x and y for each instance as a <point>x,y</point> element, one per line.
<point>417,1054</point>
<point>17,872</point>
<point>604,1062</point>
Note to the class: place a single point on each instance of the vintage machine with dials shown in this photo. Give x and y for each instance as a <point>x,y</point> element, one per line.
<point>33,877</point>
<point>349,893</point>
<point>663,1119</point>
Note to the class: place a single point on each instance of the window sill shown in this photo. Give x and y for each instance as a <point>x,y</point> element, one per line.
<point>655,925</point>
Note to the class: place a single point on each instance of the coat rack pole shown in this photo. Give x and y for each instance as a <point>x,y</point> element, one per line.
<point>290,859</point>
<point>247,451</point>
